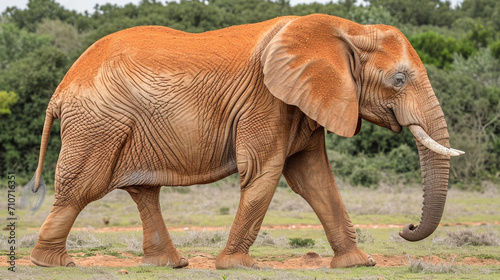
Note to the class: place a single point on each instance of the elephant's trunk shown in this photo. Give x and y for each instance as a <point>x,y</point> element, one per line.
<point>435,165</point>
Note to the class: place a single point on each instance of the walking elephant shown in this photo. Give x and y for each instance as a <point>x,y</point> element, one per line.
<point>150,106</point>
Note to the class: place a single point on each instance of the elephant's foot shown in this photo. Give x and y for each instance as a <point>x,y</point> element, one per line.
<point>51,257</point>
<point>174,260</point>
<point>354,257</point>
<point>225,261</point>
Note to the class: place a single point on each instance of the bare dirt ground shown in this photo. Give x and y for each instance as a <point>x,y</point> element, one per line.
<point>310,260</point>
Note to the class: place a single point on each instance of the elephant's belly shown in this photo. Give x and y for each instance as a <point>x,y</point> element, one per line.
<point>176,147</point>
<point>163,168</point>
<point>166,178</point>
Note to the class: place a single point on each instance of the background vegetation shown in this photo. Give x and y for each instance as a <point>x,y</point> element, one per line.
<point>460,47</point>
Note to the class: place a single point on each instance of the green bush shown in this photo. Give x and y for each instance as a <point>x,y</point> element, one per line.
<point>403,159</point>
<point>342,164</point>
<point>224,211</point>
<point>371,140</point>
<point>495,49</point>
<point>6,100</point>
<point>301,242</point>
<point>360,170</point>
<point>434,48</point>
<point>365,176</point>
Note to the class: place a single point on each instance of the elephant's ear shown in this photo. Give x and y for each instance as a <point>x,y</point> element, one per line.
<point>311,64</point>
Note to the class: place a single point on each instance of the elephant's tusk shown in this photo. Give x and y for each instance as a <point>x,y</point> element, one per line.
<point>427,141</point>
<point>458,151</point>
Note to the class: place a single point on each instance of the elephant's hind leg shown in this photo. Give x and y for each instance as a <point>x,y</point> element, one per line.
<point>157,244</point>
<point>50,249</point>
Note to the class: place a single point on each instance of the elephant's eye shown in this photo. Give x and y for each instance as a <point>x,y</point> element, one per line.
<point>399,80</point>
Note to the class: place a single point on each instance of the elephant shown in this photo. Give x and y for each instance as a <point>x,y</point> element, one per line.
<point>151,106</point>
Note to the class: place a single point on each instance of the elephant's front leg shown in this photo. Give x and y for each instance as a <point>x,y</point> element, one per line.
<point>259,179</point>
<point>309,174</point>
<point>157,244</point>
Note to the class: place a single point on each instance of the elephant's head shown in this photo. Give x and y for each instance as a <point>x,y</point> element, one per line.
<point>337,72</point>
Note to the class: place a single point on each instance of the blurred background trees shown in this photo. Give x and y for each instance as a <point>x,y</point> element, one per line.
<point>460,47</point>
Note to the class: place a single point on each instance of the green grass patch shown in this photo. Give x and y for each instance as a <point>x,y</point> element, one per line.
<point>151,272</point>
<point>487,256</point>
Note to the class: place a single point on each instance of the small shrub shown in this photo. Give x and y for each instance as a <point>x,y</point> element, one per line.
<point>301,242</point>
<point>133,242</point>
<point>420,266</point>
<point>395,237</point>
<point>403,159</point>
<point>365,176</point>
<point>4,245</point>
<point>23,241</point>
<point>495,49</point>
<point>182,190</point>
<point>204,238</point>
<point>469,237</point>
<point>86,239</point>
<point>364,236</point>
<point>265,239</point>
<point>224,211</point>
<point>342,164</point>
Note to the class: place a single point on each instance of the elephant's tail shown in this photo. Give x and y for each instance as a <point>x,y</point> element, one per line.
<point>34,191</point>
<point>49,120</point>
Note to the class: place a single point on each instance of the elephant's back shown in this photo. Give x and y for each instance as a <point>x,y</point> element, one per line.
<point>162,49</point>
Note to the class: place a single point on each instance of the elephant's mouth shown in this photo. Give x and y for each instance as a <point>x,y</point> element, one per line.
<point>386,118</point>
<point>395,126</point>
<point>392,122</point>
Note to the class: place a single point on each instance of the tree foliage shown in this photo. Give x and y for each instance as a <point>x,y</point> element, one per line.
<point>6,100</point>
<point>459,45</point>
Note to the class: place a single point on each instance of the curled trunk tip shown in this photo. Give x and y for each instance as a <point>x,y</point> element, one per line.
<point>408,233</point>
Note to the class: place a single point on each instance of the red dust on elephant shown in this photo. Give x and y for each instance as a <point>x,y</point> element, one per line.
<point>151,106</point>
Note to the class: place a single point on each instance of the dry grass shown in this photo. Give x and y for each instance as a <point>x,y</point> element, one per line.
<point>464,237</point>
<point>190,205</point>
<point>363,236</point>
<point>87,239</point>
<point>203,238</point>
<point>27,240</point>
<point>23,241</point>
<point>395,237</point>
<point>265,239</point>
<point>373,277</point>
<point>209,199</point>
<point>421,266</point>
<point>218,239</point>
<point>133,241</point>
